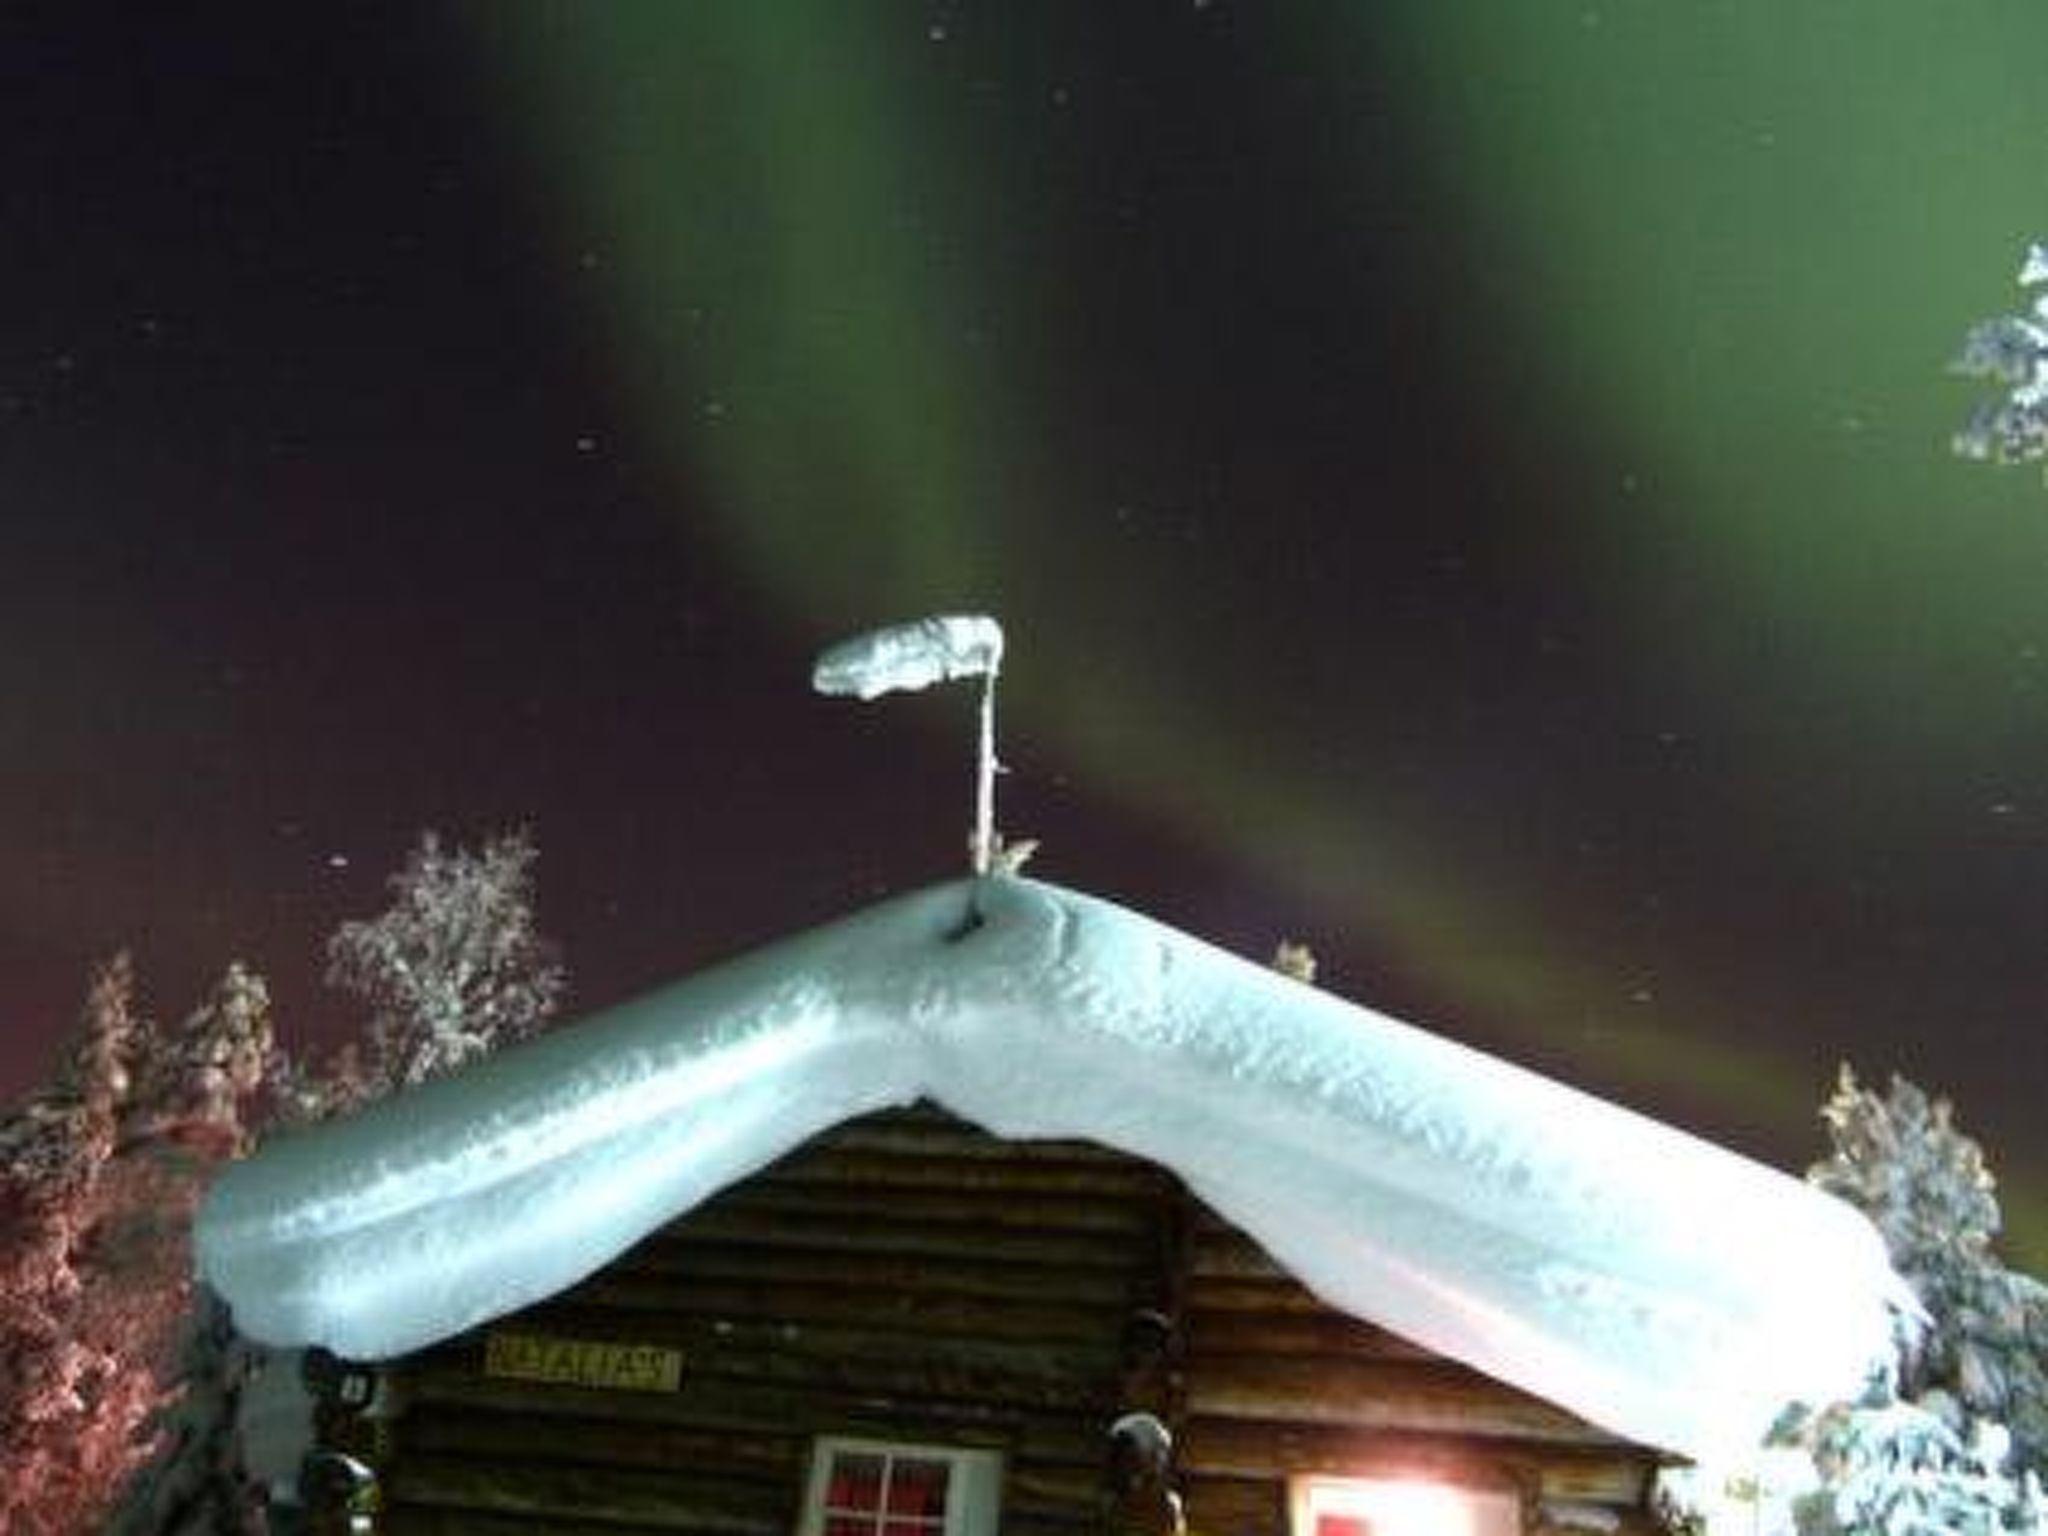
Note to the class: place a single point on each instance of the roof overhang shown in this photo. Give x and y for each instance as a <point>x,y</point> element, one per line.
<point>1660,1286</point>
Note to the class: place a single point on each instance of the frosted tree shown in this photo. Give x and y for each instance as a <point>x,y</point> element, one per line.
<point>1900,1159</point>
<point>99,1175</point>
<point>1892,1468</point>
<point>70,1416</point>
<point>1293,958</point>
<point>198,1083</point>
<point>301,1093</point>
<point>197,1485</point>
<point>2012,349</point>
<point>193,1112</point>
<point>1955,1441</point>
<point>454,967</point>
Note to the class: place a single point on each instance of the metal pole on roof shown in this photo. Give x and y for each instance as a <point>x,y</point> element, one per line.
<point>916,655</point>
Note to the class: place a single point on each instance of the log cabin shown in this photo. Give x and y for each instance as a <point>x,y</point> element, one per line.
<point>890,1258</point>
<point>977,1335</point>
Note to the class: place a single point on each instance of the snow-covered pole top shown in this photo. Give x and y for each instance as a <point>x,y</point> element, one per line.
<point>911,656</point>
<point>915,655</point>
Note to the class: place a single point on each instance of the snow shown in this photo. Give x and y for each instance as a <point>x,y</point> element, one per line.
<point>911,656</point>
<point>2035,268</point>
<point>1662,1287</point>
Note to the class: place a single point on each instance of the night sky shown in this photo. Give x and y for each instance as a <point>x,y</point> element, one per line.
<point>1467,486</point>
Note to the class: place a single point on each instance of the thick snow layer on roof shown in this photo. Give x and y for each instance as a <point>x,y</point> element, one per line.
<point>1660,1286</point>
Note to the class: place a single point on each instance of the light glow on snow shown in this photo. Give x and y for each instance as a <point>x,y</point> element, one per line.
<point>1660,1286</point>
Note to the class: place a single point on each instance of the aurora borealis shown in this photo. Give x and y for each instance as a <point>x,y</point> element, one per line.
<point>1471,493</point>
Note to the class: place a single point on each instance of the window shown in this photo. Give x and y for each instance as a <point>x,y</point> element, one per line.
<point>1386,1506</point>
<point>879,1488</point>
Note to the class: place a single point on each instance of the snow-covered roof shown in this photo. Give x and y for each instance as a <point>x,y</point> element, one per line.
<point>1660,1286</point>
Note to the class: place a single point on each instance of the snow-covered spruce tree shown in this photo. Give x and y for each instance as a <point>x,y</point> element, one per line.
<point>2012,349</point>
<point>71,1414</point>
<point>301,1093</point>
<point>197,1089</point>
<point>1955,1441</point>
<point>99,1175</point>
<point>193,1111</point>
<point>1900,1160</point>
<point>454,967</point>
<point>1894,1468</point>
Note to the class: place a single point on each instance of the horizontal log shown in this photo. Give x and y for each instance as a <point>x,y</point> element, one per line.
<point>654,1501</point>
<point>1039,1489</point>
<point>1203,1221</point>
<point>650,1309</point>
<point>1572,1522</point>
<point>1634,1522</point>
<point>958,1139</point>
<point>425,1520</point>
<point>1252,1449</point>
<point>781,1460</point>
<point>876,1173</point>
<point>730,1222</point>
<point>1040,1379</point>
<point>1240,1508</point>
<point>1063,1433</point>
<point>859,1349</point>
<point>480,1434</point>
<point>1621,1478</point>
<point>961,1275</point>
<point>1208,1294</point>
<point>829,1208</point>
<point>1435,1396</point>
<point>1230,1255</point>
<point>1319,1334</point>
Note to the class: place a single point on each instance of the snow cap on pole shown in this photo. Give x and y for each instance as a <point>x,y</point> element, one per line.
<point>910,656</point>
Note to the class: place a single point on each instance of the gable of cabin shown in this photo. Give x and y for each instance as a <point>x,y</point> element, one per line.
<point>908,1315</point>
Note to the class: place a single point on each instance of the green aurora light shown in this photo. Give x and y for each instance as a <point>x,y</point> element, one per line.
<point>1730,248</point>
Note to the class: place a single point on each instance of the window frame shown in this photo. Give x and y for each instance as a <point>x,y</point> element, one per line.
<point>974,1483</point>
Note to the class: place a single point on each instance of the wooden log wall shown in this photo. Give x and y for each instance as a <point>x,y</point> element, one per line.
<point>909,1278</point>
<point>1276,1384</point>
<point>904,1277</point>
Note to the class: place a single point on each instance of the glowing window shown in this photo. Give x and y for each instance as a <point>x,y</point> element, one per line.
<point>1379,1506</point>
<point>876,1488</point>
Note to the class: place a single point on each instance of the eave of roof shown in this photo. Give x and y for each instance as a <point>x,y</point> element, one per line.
<point>1660,1286</point>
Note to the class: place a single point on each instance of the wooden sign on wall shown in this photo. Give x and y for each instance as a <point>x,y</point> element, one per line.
<point>583,1362</point>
